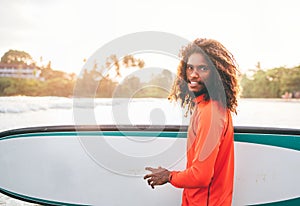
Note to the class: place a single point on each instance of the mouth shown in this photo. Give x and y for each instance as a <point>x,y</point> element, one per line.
<point>194,83</point>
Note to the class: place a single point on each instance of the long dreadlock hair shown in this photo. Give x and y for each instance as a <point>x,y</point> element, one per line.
<point>224,85</point>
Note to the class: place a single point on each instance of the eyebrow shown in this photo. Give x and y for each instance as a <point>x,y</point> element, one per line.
<point>200,65</point>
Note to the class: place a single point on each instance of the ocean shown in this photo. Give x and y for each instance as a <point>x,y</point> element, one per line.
<point>23,111</point>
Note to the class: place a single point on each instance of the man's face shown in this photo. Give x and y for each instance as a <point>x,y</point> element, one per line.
<point>198,73</point>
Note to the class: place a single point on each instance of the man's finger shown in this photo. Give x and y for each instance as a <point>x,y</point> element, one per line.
<point>149,181</point>
<point>147,176</point>
<point>149,169</point>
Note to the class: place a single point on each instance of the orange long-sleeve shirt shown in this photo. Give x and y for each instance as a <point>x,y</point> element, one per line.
<point>208,178</point>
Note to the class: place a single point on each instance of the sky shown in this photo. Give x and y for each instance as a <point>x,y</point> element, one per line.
<point>66,32</point>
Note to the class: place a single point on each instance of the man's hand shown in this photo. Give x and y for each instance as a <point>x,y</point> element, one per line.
<point>158,176</point>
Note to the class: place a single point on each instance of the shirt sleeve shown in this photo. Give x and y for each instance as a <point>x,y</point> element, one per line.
<point>210,125</point>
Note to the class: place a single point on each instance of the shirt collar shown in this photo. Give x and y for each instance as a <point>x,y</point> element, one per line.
<point>199,99</point>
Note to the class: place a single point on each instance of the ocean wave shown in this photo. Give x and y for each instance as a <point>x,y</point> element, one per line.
<point>21,104</point>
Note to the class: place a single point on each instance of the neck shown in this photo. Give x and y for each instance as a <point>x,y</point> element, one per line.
<point>203,91</point>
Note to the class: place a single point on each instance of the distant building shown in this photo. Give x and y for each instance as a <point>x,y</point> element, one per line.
<point>19,71</point>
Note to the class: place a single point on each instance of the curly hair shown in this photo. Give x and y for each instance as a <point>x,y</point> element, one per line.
<point>224,87</point>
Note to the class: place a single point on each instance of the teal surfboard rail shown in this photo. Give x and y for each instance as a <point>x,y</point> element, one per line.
<point>36,200</point>
<point>286,138</point>
<point>290,202</point>
<point>279,140</point>
<point>285,141</point>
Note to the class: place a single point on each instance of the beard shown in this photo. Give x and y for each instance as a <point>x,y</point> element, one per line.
<point>198,93</point>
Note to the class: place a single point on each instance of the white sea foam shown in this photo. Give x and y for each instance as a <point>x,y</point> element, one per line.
<point>20,104</point>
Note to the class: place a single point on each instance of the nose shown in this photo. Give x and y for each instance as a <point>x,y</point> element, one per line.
<point>194,73</point>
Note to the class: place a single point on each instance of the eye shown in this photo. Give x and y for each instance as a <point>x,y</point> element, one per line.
<point>203,68</point>
<point>189,67</point>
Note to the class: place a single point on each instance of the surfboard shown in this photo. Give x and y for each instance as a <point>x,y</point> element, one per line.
<point>104,165</point>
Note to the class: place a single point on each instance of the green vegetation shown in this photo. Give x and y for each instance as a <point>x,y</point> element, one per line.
<point>272,83</point>
<point>33,87</point>
<point>17,57</point>
<point>50,82</point>
<point>102,82</point>
<point>98,82</point>
<point>157,87</point>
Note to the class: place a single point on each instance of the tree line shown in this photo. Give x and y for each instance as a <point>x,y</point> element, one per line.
<point>95,82</point>
<point>98,82</point>
<point>50,82</point>
<point>272,83</point>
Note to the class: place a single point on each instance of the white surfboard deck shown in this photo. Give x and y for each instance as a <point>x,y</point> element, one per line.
<point>61,168</point>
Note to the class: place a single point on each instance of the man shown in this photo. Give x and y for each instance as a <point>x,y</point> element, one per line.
<point>207,84</point>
